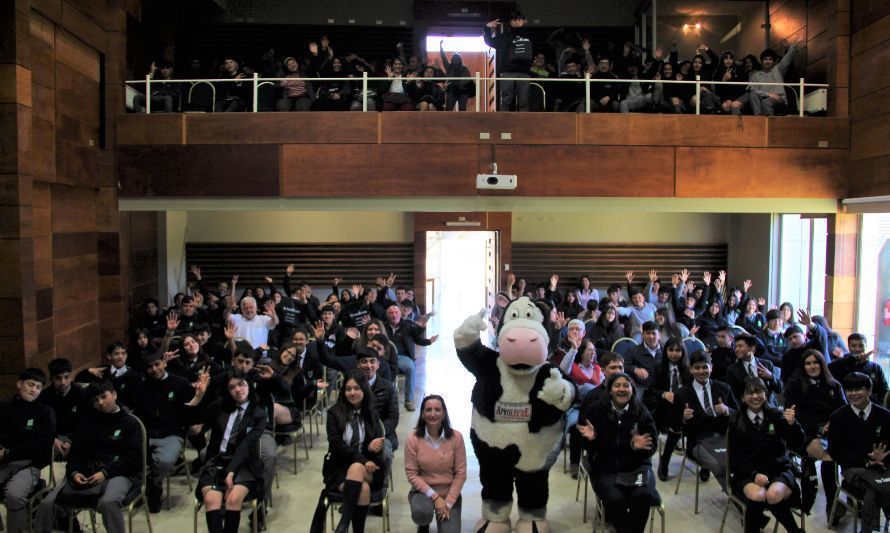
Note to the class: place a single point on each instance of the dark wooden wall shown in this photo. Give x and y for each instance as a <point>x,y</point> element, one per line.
<point>66,263</point>
<point>606,264</point>
<point>432,154</point>
<point>870,98</point>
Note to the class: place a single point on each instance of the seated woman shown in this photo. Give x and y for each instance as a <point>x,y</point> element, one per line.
<point>668,327</point>
<point>607,329</point>
<point>761,473</point>
<point>620,439</point>
<point>670,375</point>
<point>355,445</point>
<point>751,318</point>
<point>232,467</point>
<point>586,374</point>
<point>816,395</point>
<point>370,330</point>
<point>436,465</point>
<point>709,322</point>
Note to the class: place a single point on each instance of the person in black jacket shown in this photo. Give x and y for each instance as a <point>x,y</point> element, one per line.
<point>514,46</point>
<point>702,408</point>
<point>671,374</point>
<point>158,403</point>
<point>858,361</point>
<point>27,430</point>
<point>356,447</point>
<point>859,440</point>
<point>67,402</point>
<point>232,469</point>
<point>747,365</point>
<point>620,439</point>
<point>126,379</point>
<point>758,441</point>
<point>404,334</point>
<point>797,343</point>
<point>106,449</point>
<point>723,355</point>
<point>815,395</point>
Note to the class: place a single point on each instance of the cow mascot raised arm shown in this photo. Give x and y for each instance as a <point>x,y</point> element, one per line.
<point>517,424</point>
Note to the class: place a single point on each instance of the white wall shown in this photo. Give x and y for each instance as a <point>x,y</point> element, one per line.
<point>172,228</point>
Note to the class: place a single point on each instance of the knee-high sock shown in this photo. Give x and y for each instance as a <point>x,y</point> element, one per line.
<point>351,491</point>
<point>358,518</point>
<point>214,521</point>
<point>782,512</point>
<point>233,520</point>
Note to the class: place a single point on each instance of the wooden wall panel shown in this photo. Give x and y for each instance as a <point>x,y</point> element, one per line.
<point>524,128</point>
<point>606,264</point>
<point>761,173</point>
<point>203,170</point>
<point>588,170</point>
<point>157,128</point>
<point>870,137</point>
<point>662,130</point>
<point>378,170</point>
<point>870,177</point>
<point>795,132</point>
<point>866,12</point>
<point>282,128</point>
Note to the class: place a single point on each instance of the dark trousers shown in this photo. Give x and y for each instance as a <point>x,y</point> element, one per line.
<point>627,507</point>
<point>497,476</point>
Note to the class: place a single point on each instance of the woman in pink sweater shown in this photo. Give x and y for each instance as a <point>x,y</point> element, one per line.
<point>436,465</point>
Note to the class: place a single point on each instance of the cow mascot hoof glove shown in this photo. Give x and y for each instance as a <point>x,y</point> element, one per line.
<point>518,404</point>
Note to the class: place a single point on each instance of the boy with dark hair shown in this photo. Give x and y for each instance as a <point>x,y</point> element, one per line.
<point>724,354</point>
<point>773,337</point>
<point>125,378</point>
<point>703,408</point>
<point>515,53</point>
<point>27,429</point>
<point>66,401</point>
<point>747,365</point>
<point>858,361</point>
<point>797,343</point>
<point>106,451</point>
<point>858,440</point>
<point>642,360</point>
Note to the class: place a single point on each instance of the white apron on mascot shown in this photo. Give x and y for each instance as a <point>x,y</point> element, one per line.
<point>518,404</point>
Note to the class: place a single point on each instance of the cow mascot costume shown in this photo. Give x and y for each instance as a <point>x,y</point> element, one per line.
<point>518,405</point>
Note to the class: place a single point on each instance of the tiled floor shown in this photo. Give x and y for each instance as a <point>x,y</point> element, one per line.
<point>440,372</point>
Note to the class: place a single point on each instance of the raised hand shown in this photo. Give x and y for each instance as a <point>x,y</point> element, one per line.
<point>493,24</point>
<point>747,284</point>
<point>561,320</point>
<point>722,276</point>
<point>229,330</point>
<point>629,276</point>
<point>706,278</point>
<point>574,337</point>
<point>761,301</point>
<point>202,383</point>
<point>690,313</point>
<point>324,42</point>
<point>684,275</point>
<point>171,355</point>
<point>391,280</point>
<point>720,407</point>
<point>653,276</point>
<point>199,299</point>
<point>267,279</point>
<point>352,333</point>
<point>585,44</point>
<point>234,281</point>
<point>172,321</point>
<point>804,317</point>
<point>878,453</point>
<point>688,413</point>
<point>511,279</point>
<point>694,329</point>
<point>554,279</point>
<point>763,373</point>
<point>789,415</point>
<point>357,289</point>
<point>265,371</point>
<point>434,338</point>
<point>318,329</point>
<point>587,430</point>
<point>196,270</point>
<point>313,49</point>
<point>269,308</point>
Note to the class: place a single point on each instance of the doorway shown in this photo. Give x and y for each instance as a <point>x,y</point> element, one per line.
<point>461,269</point>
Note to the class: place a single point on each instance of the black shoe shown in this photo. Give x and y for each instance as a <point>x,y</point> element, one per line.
<point>838,514</point>
<point>423,529</point>
<point>704,475</point>
<point>662,473</point>
<point>153,495</point>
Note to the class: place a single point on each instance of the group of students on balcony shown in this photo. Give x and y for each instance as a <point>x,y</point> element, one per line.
<point>210,369</point>
<point>414,84</point>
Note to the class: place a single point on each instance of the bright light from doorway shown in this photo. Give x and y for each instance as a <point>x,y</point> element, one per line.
<point>456,44</point>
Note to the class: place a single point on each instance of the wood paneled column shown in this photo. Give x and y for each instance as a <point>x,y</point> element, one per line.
<point>841,272</point>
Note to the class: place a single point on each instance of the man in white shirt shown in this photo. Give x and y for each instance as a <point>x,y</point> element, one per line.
<point>251,326</point>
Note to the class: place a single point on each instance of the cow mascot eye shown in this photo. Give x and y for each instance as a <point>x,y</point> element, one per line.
<point>519,400</point>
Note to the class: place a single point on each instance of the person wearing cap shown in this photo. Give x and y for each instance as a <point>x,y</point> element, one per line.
<point>27,430</point>
<point>514,46</point>
<point>859,441</point>
<point>765,93</point>
<point>106,450</point>
<point>797,343</point>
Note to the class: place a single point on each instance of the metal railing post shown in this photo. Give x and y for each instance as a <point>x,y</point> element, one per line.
<point>148,94</point>
<point>587,92</point>
<point>697,94</point>
<point>478,92</point>
<point>800,99</point>
<point>256,92</point>
<point>364,91</point>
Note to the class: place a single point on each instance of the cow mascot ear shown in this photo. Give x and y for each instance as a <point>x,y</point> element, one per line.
<point>547,311</point>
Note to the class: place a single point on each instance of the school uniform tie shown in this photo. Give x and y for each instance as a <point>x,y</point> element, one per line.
<point>675,380</point>
<point>707,398</point>
<point>355,441</point>
<point>751,369</point>
<point>862,415</point>
<point>757,420</point>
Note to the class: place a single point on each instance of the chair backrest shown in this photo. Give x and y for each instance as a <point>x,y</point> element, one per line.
<point>738,330</point>
<point>144,437</point>
<point>622,345</point>
<point>693,345</point>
